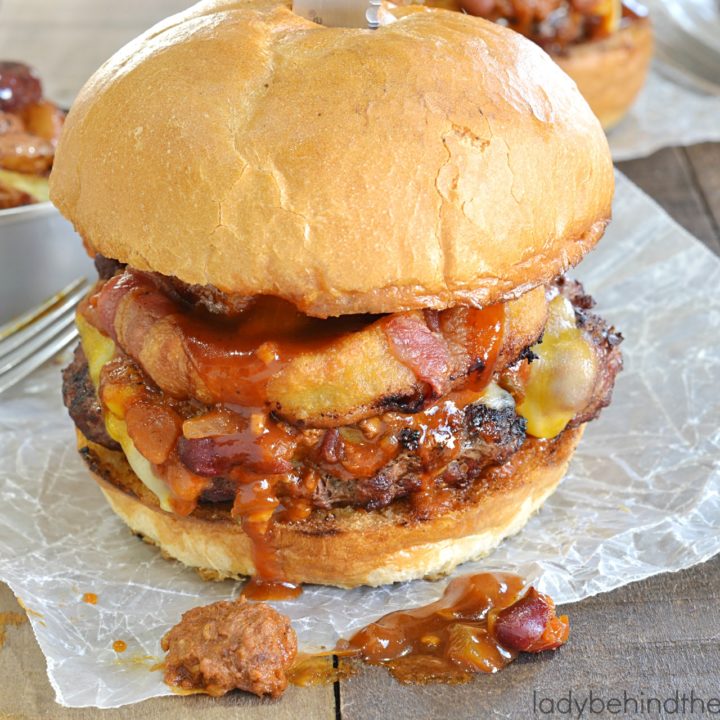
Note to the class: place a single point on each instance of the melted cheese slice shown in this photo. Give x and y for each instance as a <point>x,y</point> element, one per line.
<point>562,378</point>
<point>34,185</point>
<point>99,350</point>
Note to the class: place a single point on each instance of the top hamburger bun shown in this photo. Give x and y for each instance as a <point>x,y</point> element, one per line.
<point>438,160</point>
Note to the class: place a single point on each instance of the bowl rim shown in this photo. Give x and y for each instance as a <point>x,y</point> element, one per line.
<point>28,211</point>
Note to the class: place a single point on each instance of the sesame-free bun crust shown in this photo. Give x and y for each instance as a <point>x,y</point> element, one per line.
<point>345,547</point>
<point>438,160</point>
<point>611,72</point>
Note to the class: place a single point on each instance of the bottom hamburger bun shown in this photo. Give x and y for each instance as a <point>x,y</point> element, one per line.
<point>345,547</point>
<point>611,72</point>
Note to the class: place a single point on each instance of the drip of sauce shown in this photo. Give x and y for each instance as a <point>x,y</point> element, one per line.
<point>90,598</point>
<point>486,327</point>
<point>258,589</point>
<point>460,634</point>
<point>119,646</point>
<point>256,502</point>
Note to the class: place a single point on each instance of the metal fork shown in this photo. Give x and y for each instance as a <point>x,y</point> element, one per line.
<point>40,334</point>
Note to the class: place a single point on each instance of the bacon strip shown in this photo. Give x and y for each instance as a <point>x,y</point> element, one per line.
<point>146,324</point>
<point>424,352</point>
<point>213,359</point>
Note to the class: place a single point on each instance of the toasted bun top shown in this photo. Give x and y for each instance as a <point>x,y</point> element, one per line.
<point>438,160</point>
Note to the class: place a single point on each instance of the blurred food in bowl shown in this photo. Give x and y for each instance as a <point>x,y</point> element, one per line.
<point>29,129</point>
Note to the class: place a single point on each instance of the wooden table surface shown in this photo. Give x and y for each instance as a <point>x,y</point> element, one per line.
<point>646,640</point>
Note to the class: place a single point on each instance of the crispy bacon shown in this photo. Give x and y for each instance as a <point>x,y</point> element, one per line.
<point>143,321</point>
<point>217,360</point>
<point>424,352</point>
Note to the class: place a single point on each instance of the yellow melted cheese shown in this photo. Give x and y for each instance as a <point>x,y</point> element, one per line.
<point>562,378</point>
<point>99,350</point>
<point>35,185</point>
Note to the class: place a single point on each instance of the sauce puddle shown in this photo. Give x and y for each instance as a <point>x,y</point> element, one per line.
<point>480,624</point>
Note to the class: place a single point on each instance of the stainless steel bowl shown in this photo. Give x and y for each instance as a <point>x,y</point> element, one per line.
<point>40,253</point>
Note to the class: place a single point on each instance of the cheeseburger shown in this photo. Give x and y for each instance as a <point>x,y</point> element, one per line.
<point>331,341</point>
<point>604,45</point>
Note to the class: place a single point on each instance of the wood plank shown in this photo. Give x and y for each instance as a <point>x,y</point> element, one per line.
<point>25,693</point>
<point>668,177</point>
<point>705,165</point>
<point>650,637</point>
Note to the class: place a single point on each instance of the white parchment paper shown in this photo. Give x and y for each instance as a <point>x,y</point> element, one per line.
<point>642,496</point>
<point>666,113</point>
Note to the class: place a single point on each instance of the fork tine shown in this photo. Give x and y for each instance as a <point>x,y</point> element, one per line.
<point>46,315</point>
<point>74,290</point>
<point>32,339</point>
<point>22,370</point>
<point>36,342</point>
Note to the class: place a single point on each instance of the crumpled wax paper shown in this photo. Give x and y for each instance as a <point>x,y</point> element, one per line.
<point>642,496</point>
<point>666,113</point>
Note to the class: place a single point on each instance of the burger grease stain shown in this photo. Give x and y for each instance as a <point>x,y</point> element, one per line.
<point>321,668</point>
<point>10,619</point>
<point>29,612</point>
<point>145,662</point>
